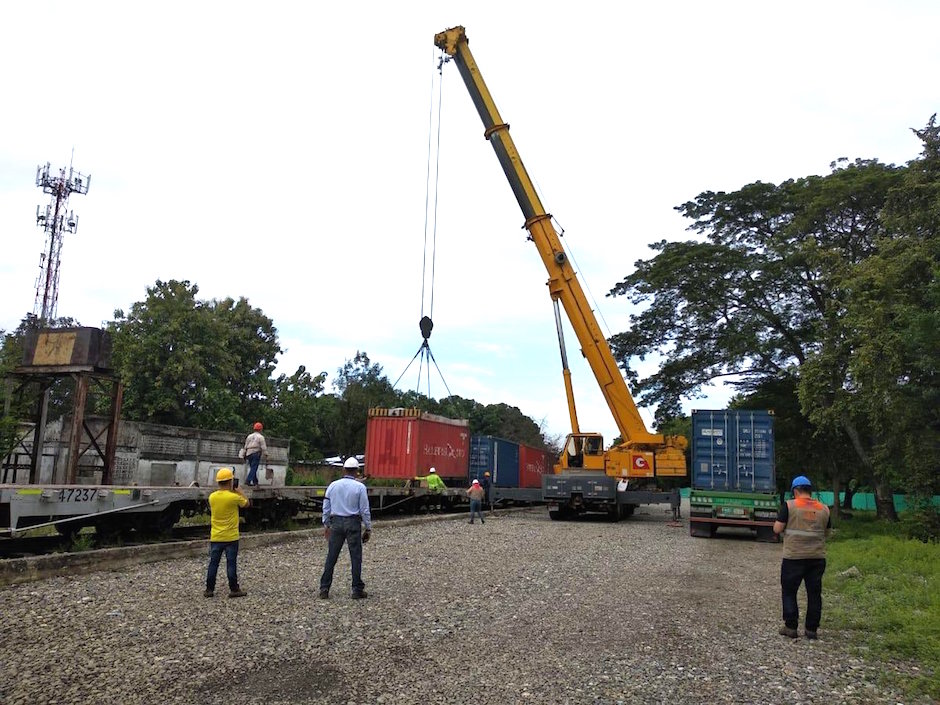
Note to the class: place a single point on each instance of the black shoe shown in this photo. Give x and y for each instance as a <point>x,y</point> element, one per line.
<point>810,634</point>
<point>236,592</point>
<point>360,595</point>
<point>324,594</point>
<point>786,631</point>
<point>209,593</point>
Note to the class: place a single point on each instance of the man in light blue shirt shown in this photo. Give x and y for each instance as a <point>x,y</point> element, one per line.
<point>346,519</point>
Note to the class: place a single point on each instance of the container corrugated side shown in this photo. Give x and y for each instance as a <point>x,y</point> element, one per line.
<point>497,456</point>
<point>402,447</point>
<point>533,463</point>
<point>733,450</point>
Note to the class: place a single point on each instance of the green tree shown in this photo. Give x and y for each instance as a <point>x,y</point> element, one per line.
<point>303,413</point>
<point>360,385</point>
<point>189,362</point>
<point>762,295</point>
<point>893,314</point>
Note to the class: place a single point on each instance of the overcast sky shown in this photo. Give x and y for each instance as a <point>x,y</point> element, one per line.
<point>279,151</point>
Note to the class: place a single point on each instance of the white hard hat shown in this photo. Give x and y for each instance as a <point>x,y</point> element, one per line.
<point>351,463</point>
<point>432,470</point>
<point>476,482</point>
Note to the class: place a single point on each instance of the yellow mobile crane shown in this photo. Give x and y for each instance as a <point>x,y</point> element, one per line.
<point>587,477</point>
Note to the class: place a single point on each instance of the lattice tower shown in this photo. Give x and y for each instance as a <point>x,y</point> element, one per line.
<point>55,223</point>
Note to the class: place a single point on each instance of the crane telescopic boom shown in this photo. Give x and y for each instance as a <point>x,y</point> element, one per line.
<point>641,450</point>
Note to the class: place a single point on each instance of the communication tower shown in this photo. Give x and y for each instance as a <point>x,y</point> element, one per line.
<point>55,222</point>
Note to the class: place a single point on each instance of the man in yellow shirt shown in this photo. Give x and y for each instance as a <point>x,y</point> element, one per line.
<point>224,504</point>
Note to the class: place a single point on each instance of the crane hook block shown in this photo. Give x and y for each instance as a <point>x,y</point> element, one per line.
<point>425,324</point>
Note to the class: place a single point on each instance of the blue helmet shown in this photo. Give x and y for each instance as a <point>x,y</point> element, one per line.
<point>801,481</point>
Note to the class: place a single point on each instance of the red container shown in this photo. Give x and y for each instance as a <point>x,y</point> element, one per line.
<point>533,463</point>
<point>404,443</point>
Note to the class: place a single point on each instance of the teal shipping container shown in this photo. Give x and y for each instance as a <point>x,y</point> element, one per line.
<point>733,451</point>
<point>496,456</point>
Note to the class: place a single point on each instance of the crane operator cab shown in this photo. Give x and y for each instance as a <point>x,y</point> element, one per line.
<point>584,451</point>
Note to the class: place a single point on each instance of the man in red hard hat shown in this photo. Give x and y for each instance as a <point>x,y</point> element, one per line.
<point>804,523</point>
<point>255,451</point>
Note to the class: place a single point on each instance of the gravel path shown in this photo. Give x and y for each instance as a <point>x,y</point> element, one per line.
<point>519,610</point>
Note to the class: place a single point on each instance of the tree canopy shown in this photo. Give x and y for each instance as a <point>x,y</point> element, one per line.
<point>820,290</point>
<point>188,362</point>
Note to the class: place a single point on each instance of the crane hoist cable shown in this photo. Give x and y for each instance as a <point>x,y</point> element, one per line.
<point>426,324</point>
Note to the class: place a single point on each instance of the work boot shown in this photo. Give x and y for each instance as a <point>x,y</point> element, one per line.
<point>787,631</point>
<point>360,595</point>
<point>237,592</point>
<point>324,594</point>
<point>209,593</point>
<point>810,634</point>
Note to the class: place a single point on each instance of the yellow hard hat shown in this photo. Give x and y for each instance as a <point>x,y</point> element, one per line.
<point>224,474</point>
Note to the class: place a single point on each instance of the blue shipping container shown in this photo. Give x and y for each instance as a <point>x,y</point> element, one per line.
<point>733,451</point>
<point>498,457</point>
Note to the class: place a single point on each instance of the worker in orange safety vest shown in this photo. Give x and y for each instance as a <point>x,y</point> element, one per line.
<point>804,523</point>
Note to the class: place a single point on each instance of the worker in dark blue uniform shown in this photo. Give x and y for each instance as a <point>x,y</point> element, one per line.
<point>487,499</point>
<point>346,519</point>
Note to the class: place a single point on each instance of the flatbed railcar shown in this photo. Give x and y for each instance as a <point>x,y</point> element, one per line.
<point>117,508</point>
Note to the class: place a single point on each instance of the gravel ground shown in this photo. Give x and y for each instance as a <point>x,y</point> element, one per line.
<point>519,610</point>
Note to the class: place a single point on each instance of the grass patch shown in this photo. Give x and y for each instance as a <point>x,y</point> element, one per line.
<point>82,542</point>
<point>892,607</point>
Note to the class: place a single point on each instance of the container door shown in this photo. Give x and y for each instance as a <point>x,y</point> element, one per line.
<point>505,463</point>
<point>754,452</point>
<point>710,453</point>
<point>481,450</point>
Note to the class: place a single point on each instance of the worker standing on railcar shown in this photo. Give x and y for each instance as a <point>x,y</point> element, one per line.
<point>346,519</point>
<point>476,494</point>
<point>224,504</point>
<point>435,487</point>
<point>804,523</point>
<point>255,450</point>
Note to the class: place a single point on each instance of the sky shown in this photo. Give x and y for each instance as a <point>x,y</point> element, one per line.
<point>279,151</point>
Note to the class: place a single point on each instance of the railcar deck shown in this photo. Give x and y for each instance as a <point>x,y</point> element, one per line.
<point>73,506</point>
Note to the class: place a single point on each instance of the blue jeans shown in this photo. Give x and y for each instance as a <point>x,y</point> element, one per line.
<point>216,548</point>
<point>253,461</point>
<point>475,505</point>
<point>346,530</point>
<point>793,571</point>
